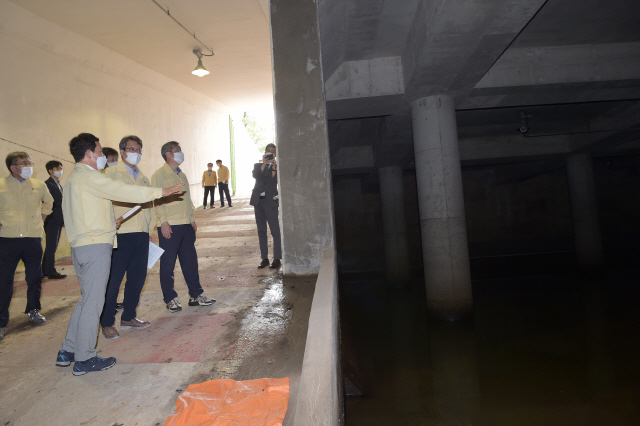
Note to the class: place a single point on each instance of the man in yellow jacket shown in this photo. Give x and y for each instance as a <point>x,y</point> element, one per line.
<point>177,232</point>
<point>24,204</point>
<point>209,182</point>
<point>91,230</point>
<point>223,183</point>
<point>132,253</point>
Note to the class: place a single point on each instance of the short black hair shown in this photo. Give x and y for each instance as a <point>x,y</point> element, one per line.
<point>52,165</point>
<point>109,152</point>
<point>81,144</point>
<point>123,142</point>
<point>218,161</point>
<point>209,163</point>
<point>12,156</point>
<point>270,145</point>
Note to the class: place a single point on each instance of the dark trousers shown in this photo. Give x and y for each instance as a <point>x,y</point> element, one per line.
<point>207,190</point>
<point>12,251</point>
<point>181,245</point>
<point>268,214</point>
<point>223,188</point>
<point>131,258</point>
<point>52,234</point>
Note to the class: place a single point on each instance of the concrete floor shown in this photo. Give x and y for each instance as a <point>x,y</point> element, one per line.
<point>257,328</point>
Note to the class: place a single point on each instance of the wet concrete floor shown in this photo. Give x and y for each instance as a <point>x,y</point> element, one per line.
<point>256,329</point>
<point>541,350</point>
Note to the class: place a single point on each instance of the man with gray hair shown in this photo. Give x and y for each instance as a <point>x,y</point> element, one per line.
<point>177,228</point>
<point>132,254</point>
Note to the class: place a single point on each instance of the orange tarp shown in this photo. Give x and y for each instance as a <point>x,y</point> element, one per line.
<point>225,402</point>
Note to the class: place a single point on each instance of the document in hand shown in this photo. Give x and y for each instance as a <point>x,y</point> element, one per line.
<point>154,254</point>
<point>130,212</point>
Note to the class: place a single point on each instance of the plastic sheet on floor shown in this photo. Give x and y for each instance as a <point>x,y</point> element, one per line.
<point>226,402</point>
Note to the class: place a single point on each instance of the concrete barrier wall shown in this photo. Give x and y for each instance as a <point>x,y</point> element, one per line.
<point>320,400</point>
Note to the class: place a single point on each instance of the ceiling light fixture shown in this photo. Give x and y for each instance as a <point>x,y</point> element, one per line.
<point>200,70</point>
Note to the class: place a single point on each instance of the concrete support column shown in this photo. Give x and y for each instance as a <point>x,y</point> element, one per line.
<point>394,224</point>
<point>441,203</point>
<point>304,169</point>
<point>584,210</point>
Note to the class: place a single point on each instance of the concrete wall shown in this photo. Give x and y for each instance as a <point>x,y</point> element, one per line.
<point>505,217</point>
<point>304,167</point>
<point>320,400</point>
<point>56,84</point>
<point>359,230</point>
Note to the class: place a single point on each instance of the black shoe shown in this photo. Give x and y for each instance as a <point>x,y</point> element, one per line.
<point>276,264</point>
<point>263,264</point>
<point>118,306</point>
<point>230,205</point>
<point>56,276</point>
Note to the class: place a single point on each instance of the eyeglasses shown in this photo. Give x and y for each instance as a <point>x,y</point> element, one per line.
<point>24,164</point>
<point>138,150</point>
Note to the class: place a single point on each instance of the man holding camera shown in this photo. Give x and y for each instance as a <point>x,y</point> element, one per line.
<point>264,200</point>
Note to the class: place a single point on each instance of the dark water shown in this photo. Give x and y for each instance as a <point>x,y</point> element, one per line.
<point>544,348</point>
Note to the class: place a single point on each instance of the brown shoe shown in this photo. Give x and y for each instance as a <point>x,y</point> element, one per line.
<point>110,333</point>
<point>134,323</point>
<point>263,264</point>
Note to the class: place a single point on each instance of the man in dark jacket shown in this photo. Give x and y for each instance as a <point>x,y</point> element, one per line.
<point>264,200</point>
<point>54,222</point>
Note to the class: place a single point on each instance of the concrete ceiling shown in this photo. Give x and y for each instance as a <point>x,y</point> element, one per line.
<point>566,22</point>
<point>236,30</point>
<point>571,64</point>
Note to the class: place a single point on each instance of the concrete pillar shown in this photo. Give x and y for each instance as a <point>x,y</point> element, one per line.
<point>584,210</point>
<point>441,204</point>
<point>304,176</point>
<point>394,224</point>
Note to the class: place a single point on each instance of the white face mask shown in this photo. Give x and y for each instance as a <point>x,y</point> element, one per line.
<point>101,162</point>
<point>26,172</point>
<point>115,163</point>
<point>178,157</point>
<point>58,174</point>
<point>133,158</point>
<point>210,168</point>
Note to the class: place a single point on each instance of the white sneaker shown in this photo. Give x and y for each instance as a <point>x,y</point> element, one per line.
<point>201,300</point>
<point>174,305</point>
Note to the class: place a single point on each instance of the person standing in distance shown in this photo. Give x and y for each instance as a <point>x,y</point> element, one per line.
<point>209,182</point>
<point>54,222</point>
<point>264,199</point>
<point>24,204</point>
<point>132,253</point>
<point>223,183</point>
<point>177,228</point>
<point>91,230</point>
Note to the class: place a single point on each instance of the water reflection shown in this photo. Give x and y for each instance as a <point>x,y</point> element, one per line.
<point>553,350</point>
<point>262,329</point>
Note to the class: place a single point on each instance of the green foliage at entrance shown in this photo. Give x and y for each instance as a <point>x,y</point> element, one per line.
<point>257,131</point>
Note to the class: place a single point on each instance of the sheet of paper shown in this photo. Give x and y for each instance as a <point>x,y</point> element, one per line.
<point>154,254</point>
<point>130,212</point>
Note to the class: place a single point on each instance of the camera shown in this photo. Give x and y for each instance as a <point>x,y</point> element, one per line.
<point>268,156</point>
